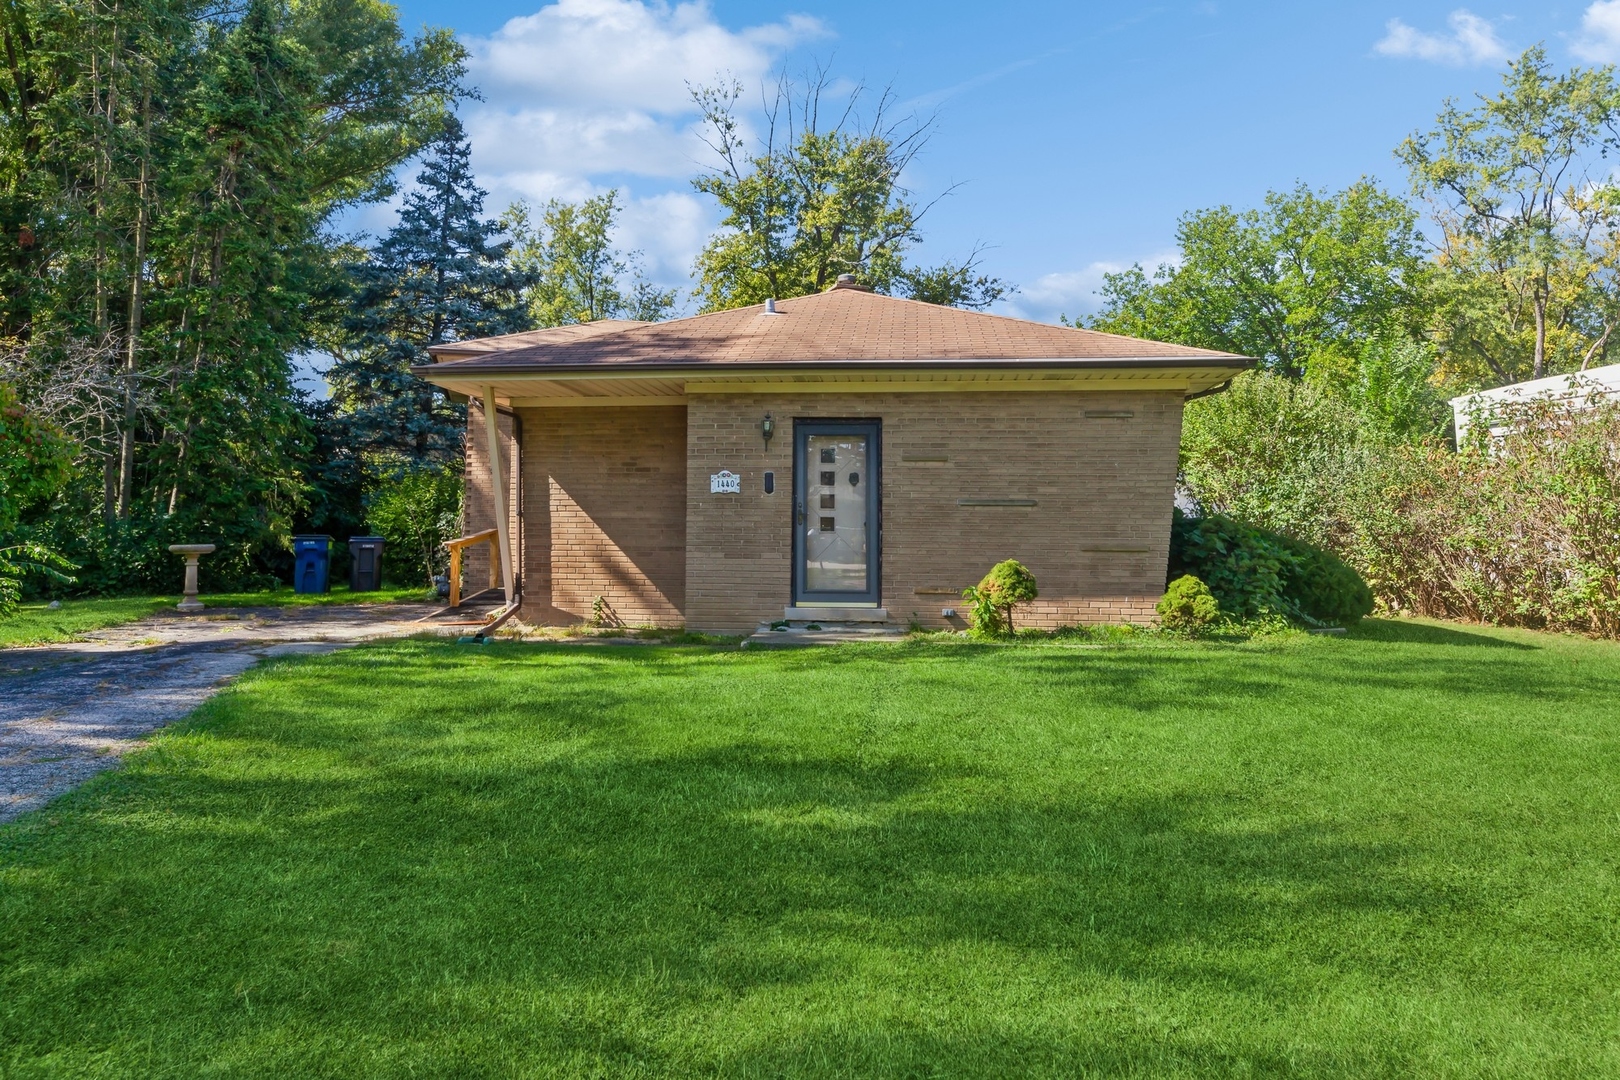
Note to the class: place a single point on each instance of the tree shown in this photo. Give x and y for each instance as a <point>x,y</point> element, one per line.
<point>818,200</point>
<point>1308,275</point>
<point>579,276</point>
<point>441,274</point>
<point>1528,216</point>
<point>167,168</point>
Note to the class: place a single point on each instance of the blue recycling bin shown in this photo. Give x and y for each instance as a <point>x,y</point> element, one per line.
<point>312,563</point>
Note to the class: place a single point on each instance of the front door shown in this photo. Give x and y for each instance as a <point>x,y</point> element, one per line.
<point>835,510</point>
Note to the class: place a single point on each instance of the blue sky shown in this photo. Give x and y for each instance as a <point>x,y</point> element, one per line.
<point>1077,132</point>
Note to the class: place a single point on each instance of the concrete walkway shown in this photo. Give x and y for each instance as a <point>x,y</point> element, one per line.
<point>69,711</point>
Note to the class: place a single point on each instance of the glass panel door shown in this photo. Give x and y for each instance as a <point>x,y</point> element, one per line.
<point>836,541</point>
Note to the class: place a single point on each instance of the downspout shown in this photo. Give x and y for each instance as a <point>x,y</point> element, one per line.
<point>1207,393</point>
<point>503,524</point>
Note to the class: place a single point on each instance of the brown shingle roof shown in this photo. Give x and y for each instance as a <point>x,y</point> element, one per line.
<point>551,335</point>
<point>841,326</point>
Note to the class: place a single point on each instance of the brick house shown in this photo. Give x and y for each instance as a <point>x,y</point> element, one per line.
<point>839,456</point>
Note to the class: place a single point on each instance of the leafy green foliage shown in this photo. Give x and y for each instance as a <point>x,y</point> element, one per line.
<point>441,274</point>
<point>1529,216</point>
<point>1278,453</point>
<point>1254,572</point>
<point>816,202</point>
<point>19,560</point>
<point>416,510</point>
<point>1188,606</point>
<point>170,168</point>
<point>991,602</point>
<point>1525,532</point>
<point>1306,274</point>
<point>35,460</point>
<point>578,275</point>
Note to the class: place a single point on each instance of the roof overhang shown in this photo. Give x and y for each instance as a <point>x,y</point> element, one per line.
<point>534,385</point>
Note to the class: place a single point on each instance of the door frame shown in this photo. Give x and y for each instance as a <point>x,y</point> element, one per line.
<point>873,430</point>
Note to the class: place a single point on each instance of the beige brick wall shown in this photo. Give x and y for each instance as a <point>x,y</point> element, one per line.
<point>603,513</point>
<point>1097,540</point>
<point>607,513</point>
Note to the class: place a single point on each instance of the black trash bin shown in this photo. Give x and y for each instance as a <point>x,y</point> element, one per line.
<point>365,563</point>
<point>312,564</point>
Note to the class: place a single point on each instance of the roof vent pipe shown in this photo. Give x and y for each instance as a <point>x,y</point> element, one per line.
<point>770,306</point>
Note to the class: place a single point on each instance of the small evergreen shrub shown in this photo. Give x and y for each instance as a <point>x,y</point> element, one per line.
<point>1188,606</point>
<point>991,602</point>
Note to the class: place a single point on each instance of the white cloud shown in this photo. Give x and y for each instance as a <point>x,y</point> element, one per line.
<point>1074,293</point>
<point>1600,33</point>
<point>668,229</point>
<point>590,86</point>
<point>1472,40</point>
<point>583,94</point>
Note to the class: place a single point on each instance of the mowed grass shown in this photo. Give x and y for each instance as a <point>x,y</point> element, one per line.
<point>1389,855</point>
<point>36,623</point>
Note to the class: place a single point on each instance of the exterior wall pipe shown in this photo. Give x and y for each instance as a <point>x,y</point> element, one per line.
<point>492,430</point>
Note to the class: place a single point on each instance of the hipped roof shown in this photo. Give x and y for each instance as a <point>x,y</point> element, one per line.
<point>842,327</point>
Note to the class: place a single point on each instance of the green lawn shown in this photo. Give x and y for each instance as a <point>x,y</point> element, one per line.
<point>37,624</point>
<point>1393,854</point>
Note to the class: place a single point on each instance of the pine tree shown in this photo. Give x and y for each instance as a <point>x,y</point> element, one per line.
<point>439,275</point>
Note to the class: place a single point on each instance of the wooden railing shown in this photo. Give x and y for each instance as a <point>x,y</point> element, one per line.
<point>488,536</point>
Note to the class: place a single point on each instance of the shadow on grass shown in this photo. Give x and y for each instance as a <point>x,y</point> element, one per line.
<point>1425,633</point>
<point>423,892</point>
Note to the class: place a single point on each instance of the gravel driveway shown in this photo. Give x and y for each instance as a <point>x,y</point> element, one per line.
<point>69,711</point>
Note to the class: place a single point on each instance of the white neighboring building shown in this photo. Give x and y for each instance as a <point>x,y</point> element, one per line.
<point>1575,389</point>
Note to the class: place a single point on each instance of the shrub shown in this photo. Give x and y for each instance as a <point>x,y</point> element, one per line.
<point>1254,572</point>
<point>1188,606</point>
<point>35,460</point>
<point>1277,453</point>
<point>416,511</point>
<point>18,560</point>
<point>1522,532</point>
<point>1008,584</point>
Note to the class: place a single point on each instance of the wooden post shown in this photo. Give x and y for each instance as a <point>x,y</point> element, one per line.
<point>457,546</point>
<point>455,575</point>
<point>492,431</point>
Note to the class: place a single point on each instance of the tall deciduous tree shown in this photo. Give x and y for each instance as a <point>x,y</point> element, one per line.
<point>579,275</point>
<point>815,200</point>
<point>442,274</point>
<point>1528,220</point>
<point>1307,278</point>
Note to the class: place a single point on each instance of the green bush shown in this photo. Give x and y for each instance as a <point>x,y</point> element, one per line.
<point>991,602</point>
<point>1188,606</point>
<point>416,511</point>
<point>1254,572</point>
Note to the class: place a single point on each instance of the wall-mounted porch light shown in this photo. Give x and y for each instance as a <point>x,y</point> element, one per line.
<point>767,427</point>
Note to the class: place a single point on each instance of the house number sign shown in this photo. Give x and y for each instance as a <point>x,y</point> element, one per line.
<point>725,482</point>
